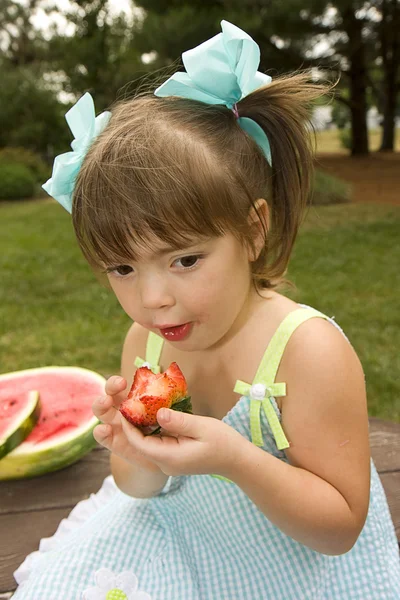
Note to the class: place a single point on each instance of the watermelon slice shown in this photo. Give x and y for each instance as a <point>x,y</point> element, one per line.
<point>19,413</point>
<point>63,433</point>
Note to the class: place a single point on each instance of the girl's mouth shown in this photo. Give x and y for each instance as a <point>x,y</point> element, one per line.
<point>176,334</point>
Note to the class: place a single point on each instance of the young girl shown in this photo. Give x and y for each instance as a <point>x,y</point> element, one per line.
<point>190,200</point>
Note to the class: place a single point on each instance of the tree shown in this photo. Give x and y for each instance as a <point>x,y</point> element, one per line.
<point>100,57</point>
<point>21,44</point>
<point>357,73</point>
<point>30,113</point>
<point>287,33</point>
<point>389,36</point>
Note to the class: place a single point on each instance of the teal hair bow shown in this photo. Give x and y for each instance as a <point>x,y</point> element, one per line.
<point>222,70</point>
<point>85,127</point>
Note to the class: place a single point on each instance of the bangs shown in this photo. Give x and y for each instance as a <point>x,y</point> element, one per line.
<point>146,181</point>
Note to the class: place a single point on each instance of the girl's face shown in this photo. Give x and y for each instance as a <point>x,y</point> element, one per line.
<point>207,284</point>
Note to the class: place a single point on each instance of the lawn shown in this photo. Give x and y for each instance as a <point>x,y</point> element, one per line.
<point>346,264</point>
<point>54,311</point>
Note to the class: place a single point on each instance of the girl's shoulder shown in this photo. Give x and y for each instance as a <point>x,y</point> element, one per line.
<point>319,342</point>
<point>316,353</point>
<point>319,356</point>
<point>320,334</point>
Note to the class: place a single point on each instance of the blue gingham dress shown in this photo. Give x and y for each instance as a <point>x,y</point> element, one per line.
<point>202,538</point>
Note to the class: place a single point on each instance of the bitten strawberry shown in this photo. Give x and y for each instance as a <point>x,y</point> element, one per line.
<point>150,392</point>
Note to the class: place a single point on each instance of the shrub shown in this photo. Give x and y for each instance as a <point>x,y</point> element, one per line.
<point>345,137</point>
<point>16,181</point>
<point>330,190</point>
<point>28,158</point>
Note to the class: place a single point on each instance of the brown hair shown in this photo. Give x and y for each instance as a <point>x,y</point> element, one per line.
<point>179,168</point>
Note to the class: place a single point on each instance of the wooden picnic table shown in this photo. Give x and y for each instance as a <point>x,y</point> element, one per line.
<point>31,509</point>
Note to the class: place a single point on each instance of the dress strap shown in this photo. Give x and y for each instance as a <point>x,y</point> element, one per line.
<point>264,389</point>
<point>153,352</point>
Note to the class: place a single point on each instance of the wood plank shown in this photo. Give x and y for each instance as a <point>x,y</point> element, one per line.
<point>62,488</point>
<point>31,509</point>
<point>385,444</point>
<point>20,535</point>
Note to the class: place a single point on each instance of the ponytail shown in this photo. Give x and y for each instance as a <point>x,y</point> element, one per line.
<point>281,108</point>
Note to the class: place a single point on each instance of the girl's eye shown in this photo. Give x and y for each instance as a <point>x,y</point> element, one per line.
<point>189,262</point>
<point>121,270</point>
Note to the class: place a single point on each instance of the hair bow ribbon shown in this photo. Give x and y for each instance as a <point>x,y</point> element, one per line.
<point>222,70</point>
<point>85,127</point>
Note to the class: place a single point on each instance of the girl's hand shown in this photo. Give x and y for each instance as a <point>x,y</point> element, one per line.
<point>111,434</point>
<point>188,444</point>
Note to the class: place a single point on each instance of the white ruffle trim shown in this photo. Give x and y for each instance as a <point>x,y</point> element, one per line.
<point>78,515</point>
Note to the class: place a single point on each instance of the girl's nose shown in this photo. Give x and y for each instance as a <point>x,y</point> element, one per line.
<point>154,293</point>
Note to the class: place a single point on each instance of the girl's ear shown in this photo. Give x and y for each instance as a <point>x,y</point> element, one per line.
<point>257,228</point>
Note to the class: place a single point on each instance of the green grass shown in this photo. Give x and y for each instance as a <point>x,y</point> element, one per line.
<point>54,311</point>
<point>346,264</point>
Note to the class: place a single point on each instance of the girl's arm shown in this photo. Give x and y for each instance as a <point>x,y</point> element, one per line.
<point>321,498</point>
<point>137,481</point>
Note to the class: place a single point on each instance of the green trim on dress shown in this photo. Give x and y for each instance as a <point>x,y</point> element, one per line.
<point>153,352</point>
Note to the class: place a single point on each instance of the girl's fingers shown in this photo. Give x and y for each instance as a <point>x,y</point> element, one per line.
<point>115,387</point>
<point>133,434</point>
<point>103,435</point>
<point>105,407</point>
<point>104,410</point>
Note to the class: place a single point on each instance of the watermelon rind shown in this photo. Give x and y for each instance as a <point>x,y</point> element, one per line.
<point>31,460</point>
<point>22,425</point>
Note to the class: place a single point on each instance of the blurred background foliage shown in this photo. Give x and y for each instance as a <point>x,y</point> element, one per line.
<point>95,46</point>
<point>110,53</point>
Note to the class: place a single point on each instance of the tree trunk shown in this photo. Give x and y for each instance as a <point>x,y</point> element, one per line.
<point>390,45</point>
<point>358,83</point>
<point>389,110</point>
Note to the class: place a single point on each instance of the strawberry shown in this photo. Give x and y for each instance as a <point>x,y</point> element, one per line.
<point>150,392</point>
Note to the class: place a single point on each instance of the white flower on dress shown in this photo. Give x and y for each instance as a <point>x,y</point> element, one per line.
<point>123,586</point>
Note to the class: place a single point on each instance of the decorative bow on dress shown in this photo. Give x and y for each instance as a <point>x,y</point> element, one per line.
<point>260,395</point>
